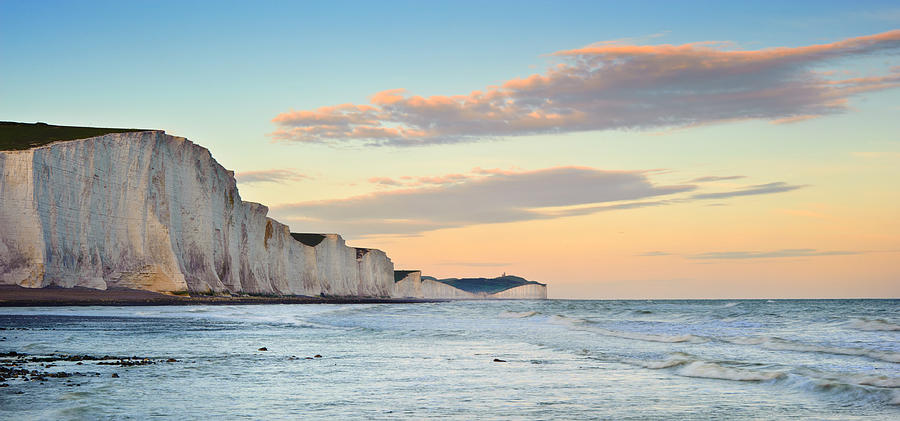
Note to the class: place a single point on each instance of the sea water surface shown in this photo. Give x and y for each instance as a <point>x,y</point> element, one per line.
<point>696,359</point>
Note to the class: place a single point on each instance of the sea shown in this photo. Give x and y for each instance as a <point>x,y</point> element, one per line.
<point>464,360</point>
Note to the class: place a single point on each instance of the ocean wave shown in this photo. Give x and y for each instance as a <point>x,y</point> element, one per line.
<point>852,387</point>
<point>859,379</point>
<point>518,315</point>
<point>729,305</point>
<point>846,389</point>
<point>711,370</point>
<point>642,312</point>
<point>650,337</point>
<point>587,325</point>
<point>778,344</point>
<point>674,360</point>
<point>874,325</point>
<point>695,367</point>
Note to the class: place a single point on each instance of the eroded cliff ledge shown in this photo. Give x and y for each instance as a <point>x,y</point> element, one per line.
<point>146,210</point>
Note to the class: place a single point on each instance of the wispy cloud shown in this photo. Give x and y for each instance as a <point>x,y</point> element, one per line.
<point>769,188</point>
<point>409,181</point>
<point>611,85</point>
<point>732,255</point>
<point>655,254</point>
<point>712,178</point>
<point>499,196</point>
<point>415,204</point>
<point>269,176</point>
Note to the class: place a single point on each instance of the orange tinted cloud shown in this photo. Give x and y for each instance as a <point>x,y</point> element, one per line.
<point>270,176</point>
<point>419,204</point>
<point>612,86</point>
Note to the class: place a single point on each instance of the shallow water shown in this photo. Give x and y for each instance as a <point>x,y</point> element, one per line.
<point>700,359</point>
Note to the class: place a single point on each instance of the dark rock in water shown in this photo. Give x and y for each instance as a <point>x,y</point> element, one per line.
<point>263,349</point>
<point>317,356</point>
<point>308,358</point>
<point>497,360</point>
<point>115,376</point>
<point>171,360</point>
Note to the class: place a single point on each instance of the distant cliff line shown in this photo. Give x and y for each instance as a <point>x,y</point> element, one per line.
<point>141,209</point>
<point>411,284</point>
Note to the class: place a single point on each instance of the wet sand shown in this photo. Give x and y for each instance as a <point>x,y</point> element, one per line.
<point>16,296</point>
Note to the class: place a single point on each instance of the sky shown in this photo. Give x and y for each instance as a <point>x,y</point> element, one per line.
<point>644,150</point>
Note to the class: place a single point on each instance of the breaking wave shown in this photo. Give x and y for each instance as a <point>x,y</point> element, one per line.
<point>778,344</point>
<point>715,371</point>
<point>587,325</point>
<point>518,315</point>
<point>874,325</point>
<point>848,386</point>
<point>694,367</point>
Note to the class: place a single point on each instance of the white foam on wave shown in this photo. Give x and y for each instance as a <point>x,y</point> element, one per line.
<point>866,379</point>
<point>874,325</point>
<point>582,324</point>
<point>518,315</point>
<point>711,370</point>
<point>695,367</point>
<point>729,305</point>
<point>650,337</point>
<point>674,360</point>
<point>778,344</point>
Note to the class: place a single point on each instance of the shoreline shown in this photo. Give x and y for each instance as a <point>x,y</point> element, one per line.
<point>16,296</point>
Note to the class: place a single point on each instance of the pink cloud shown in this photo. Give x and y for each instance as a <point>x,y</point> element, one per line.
<point>611,86</point>
<point>269,176</point>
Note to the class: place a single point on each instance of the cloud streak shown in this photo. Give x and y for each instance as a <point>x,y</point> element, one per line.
<point>609,86</point>
<point>740,255</point>
<point>496,197</point>
<point>769,188</point>
<point>713,178</point>
<point>269,176</point>
<point>485,196</point>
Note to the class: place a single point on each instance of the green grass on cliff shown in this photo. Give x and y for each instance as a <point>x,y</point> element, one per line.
<point>311,240</point>
<point>400,274</point>
<point>21,136</point>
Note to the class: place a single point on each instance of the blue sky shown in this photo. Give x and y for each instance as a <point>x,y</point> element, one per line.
<point>219,72</point>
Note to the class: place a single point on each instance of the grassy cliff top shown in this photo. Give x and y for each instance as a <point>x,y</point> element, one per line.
<point>311,240</point>
<point>485,285</point>
<point>400,274</point>
<point>21,136</point>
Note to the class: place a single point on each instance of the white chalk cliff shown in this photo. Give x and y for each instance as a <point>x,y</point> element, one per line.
<point>409,284</point>
<point>151,211</point>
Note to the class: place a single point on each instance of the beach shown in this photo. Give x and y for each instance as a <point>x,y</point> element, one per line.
<point>14,296</point>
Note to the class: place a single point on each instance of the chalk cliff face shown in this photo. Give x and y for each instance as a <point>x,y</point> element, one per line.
<point>151,211</point>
